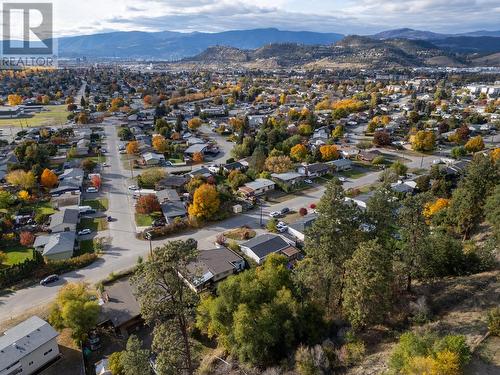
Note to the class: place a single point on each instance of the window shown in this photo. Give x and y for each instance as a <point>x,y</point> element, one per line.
<point>47,352</point>
<point>31,362</point>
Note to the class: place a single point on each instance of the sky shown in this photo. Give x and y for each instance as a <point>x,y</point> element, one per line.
<point>76,17</point>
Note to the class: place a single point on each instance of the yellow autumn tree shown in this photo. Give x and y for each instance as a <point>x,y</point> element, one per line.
<point>475,144</point>
<point>23,195</point>
<point>432,208</point>
<point>133,148</point>
<point>206,202</point>
<point>22,179</point>
<point>159,143</point>
<point>329,152</point>
<point>495,154</point>
<point>278,164</point>
<point>48,178</point>
<point>14,99</point>
<point>194,123</point>
<point>298,152</point>
<point>423,140</point>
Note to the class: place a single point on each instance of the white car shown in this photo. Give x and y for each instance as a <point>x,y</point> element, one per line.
<point>308,181</point>
<point>84,232</point>
<point>275,214</point>
<point>122,152</point>
<point>92,190</point>
<point>342,179</point>
<point>437,161</point>
<point>105,164</point>
<point>133,187</point>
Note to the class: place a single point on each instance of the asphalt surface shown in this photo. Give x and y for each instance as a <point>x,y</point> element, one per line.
<point>125,248</point>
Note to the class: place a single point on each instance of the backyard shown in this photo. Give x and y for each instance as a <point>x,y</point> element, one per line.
<point>95,224</point>
<point>16,253</point>
<point>101,204</point>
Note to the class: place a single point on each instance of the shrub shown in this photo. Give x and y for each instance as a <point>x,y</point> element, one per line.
<point>303,211</point>
<point>351,353</point>
<point>271,225</point>
<point>176,226</point>
<point>26,238</point>
<point>494,321</point>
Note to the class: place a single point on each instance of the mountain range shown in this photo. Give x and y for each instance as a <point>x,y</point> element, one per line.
<point>169,45</point>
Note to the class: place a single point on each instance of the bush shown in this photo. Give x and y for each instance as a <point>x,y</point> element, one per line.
<point>147,204</point>
<point>271,225</point>
<point>303,211</point>
<point>175,227</point>
<point>351,353</point>
<point>494,321</point>
<point>416,354</point>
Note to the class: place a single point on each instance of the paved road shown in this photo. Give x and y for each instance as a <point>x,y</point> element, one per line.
<point>125,248</point>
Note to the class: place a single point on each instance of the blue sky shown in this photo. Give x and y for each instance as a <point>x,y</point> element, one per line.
<point>343,16</point>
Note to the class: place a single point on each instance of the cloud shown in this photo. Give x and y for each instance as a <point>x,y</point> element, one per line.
<point>344,16</point>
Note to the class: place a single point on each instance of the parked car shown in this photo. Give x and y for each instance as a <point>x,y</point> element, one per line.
<point>285,210</point>
<point>104,151</point>
<point>342,179</point>
<point>275,214</point>
<point>159,223</point>
<point>122,152</point>
<point>133,187</point>
<point>84,232</point>
<point>105,164</point>
<point>92,190</point>
<point>49,279</point>
<point>168,163</point>
<point>110,218</point>
<point>308,181</point>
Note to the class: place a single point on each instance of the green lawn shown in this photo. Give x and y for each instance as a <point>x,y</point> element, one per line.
<point>353,173</point>
<point>97,204</point>
<point>94,224</point>
<point>143,220</point>
<point>56,115</point>
<point>17,254</point>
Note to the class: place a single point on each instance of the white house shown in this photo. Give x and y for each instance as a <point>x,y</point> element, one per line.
<point>27,347</point>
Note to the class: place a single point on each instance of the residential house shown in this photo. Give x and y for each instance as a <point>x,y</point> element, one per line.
<point>288,180</point>
<point>213,266</point>
<point>369,156</point>
<point>201,171</point>
<point>167,195</point>
<point>258,248</point>
<point>27,347</point>
<point>70,180</point>
<point>11,112</point>
<point>314,170</point>
<point>119,308</point>
<point>172,210</point>
<point>56,246</point>
<point>234,166</point>
<point>64,220</point>
<point>299,227</point>
<point>195,149</point>
<point>150,158</point>
<point>256,188</point>
<point>69,198</point>
<point>341,164</point>
<point>406,187</point>
<point>172,182</point>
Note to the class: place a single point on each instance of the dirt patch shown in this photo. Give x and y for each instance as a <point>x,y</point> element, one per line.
<point>459,306</point>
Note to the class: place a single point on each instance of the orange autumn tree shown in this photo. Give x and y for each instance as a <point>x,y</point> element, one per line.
<point>14,99</point>
<point>495,154</point>
<point>329,152</point>
<point>159,143</point>
<point>48,179</point>
<point>133,148</point>
<point>198,157</point>
<point>206,202</point>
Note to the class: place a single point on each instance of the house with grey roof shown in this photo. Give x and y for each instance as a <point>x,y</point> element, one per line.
<point>56,246</point>
<point>314,170</point>
<point>258,187</point>
<point>27,347</point>
<point>64,220</point>
<point>258,248</point>
<point>212,266</point>
<point>120,308</point>
<point>288,180</point>
<point>172,210</point>
<point>196,148</point>
<point>341,164</point>
<point>299,227</point>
